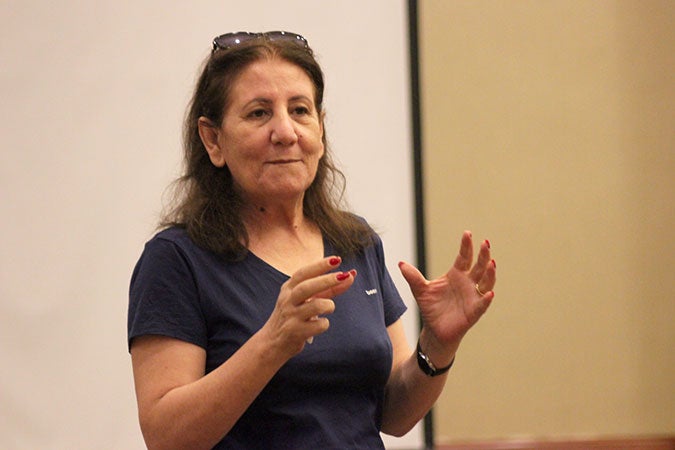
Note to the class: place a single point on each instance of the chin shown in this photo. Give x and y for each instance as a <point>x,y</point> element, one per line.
<point>283,190</point>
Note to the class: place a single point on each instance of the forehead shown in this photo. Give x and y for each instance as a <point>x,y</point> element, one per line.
<point>271,77</point>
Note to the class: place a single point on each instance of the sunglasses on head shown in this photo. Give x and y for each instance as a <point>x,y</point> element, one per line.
<point>229,40</point>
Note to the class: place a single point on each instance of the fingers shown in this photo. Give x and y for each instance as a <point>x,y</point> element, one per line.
<point>484,272</point>
<point>412,276</point>
<point>483,305</point>
<point>327,286</point>
<point>312,309</point>
<point>478,270</point>
<point>313,280</point>
<point>345,281</point>
<point>305,298</point>
<point>314,269</point>
<point>465,257</point>
<point>486,283</point>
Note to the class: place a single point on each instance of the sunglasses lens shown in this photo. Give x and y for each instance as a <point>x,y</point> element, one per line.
<point>231,39</point>
<point>225,41</point>
<point>287,36</point>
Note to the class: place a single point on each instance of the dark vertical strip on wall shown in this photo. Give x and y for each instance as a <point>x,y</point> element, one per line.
<point>418,178</point>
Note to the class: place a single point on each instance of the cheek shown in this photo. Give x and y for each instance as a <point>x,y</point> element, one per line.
<point>313,142</point>
<point>238,150</point>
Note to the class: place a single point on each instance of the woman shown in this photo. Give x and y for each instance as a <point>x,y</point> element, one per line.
<point>263,316</point>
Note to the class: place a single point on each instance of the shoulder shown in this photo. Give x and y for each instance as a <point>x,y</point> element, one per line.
<point>372,247</point>
<point>375,240</point>
<point>165,249</point>
<point>169,249</point>
<point>175,238</point>
<point>363,222</point>
<point>177,235</point>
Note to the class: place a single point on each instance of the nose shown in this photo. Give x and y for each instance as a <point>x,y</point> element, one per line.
<point>283,130</point>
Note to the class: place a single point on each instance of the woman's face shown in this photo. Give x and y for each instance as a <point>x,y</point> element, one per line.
<point>271,134</point>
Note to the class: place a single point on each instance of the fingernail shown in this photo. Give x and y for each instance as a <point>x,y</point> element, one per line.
<point>334,261</point>
<point>494,263</point>
<point>353,272</point>
<point>342,276</point>
<point>488,243</point>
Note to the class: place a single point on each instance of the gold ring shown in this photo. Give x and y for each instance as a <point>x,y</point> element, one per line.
<point>479,291</point>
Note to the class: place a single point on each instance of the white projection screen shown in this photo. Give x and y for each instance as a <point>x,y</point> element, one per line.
<point>93,95</point>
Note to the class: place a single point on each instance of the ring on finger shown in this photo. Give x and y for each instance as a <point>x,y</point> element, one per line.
<point>481,293</point>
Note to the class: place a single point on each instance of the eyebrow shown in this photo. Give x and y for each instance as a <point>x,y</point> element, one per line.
<point>266,101</point>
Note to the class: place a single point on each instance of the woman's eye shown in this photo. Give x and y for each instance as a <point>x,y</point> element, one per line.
<point>300,110</point>
<point>257,114</point>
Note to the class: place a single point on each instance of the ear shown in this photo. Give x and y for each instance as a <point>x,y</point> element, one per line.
<point>209,133</point>
<point>322,118</point>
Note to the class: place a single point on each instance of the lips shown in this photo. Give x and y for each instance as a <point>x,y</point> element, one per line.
<point>284,161</point>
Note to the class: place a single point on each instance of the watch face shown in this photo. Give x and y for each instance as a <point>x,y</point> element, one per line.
<point>424,363</point>
<point>427,366</point>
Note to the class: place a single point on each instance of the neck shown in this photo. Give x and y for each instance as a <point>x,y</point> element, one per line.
<point>262,218</point>
<point>283,237</point>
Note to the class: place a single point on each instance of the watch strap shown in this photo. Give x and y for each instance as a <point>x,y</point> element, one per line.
<point>427,366</point>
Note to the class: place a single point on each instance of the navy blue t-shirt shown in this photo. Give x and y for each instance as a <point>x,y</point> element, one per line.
<point>328,396</point>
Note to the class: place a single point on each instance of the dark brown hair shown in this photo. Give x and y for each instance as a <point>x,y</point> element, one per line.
<point>205,201</point>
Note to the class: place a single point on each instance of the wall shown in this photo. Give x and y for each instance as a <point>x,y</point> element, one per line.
<point>548,128</point>
<point>93,95</point>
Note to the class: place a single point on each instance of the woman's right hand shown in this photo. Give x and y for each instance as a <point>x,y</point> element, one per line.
<point>304,301</point>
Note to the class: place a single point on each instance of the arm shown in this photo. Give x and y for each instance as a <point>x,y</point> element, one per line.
<point>180,407</point>
<point>410,393</point>
<point>450,305</point>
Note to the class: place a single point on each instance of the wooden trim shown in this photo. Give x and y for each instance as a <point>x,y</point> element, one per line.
<point>621,443</point>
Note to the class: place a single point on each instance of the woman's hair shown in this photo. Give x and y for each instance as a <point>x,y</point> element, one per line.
<point>206,202</point>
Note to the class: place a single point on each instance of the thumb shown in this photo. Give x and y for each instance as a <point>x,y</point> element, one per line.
<point>412,276</point>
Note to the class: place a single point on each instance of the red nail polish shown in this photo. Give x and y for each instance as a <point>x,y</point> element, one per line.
<point>334,261</point>
<point>488,243</point>
<point>494,263</point>
<point>342,276</point>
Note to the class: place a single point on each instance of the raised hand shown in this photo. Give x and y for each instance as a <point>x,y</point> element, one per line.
<point>304,301</point>
<point>452,303</point>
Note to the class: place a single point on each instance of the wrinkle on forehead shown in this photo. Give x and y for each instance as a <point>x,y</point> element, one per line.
<point>266,78</point>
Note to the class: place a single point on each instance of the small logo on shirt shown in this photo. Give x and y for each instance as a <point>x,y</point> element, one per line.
<point>371,292</point>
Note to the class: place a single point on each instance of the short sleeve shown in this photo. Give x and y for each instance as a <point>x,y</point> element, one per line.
<point>394,306</point>
<point>163,296</point>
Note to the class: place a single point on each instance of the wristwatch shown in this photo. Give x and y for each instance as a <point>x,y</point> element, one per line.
<point>427,366</point>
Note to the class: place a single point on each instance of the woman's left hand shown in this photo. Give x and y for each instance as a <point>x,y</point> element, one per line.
<point>451,304</point>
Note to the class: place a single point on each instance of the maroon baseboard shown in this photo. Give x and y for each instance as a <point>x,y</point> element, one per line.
<point>627,443</point>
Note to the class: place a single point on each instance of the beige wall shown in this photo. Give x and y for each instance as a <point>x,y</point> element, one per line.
<point>548,127</point>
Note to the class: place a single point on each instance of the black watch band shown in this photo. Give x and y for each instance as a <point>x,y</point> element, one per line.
<point>427,366</point>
